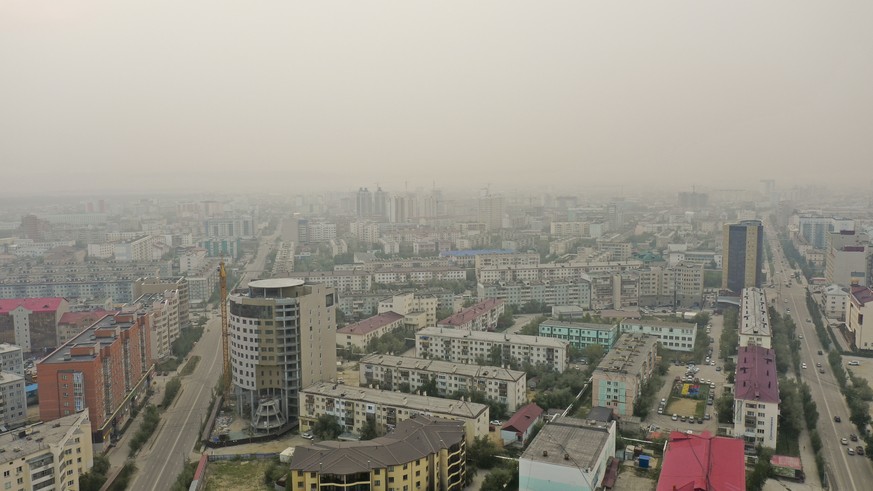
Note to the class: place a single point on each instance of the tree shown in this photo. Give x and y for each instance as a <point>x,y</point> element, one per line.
<point>505,320</point>
<point>501,479</point>
<point>369,431</point>
<point>724,407</point>
<point>327,427</point>
<point>483,452</point>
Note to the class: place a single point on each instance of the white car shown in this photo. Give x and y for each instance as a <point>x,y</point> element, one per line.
<point>803,365</point>
<point>495,422</point>
<point>854,363</point>
<point>307,435</point>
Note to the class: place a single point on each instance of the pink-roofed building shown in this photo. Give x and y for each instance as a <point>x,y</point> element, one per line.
<point>360,333</point>
<point>858,306</point>
<point>519,426</point>
<point>32,323</point>
<point>702,463</point>
<point>480,317</point>
<point>756,396</point>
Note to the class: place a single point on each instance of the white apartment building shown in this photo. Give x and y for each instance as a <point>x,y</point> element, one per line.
<point>756,397</point>
<point>342,281</point>
<point>618,250</point>
<point>164,319</point>
<point>473,347</point>
<point>13,400</point>
<point>672,335</point>
<point>103,250</point>
<point>321,231</point>
<point>858,306</point>
<point>11,359</point>
<point>680,285</point>
<point>365,231</point>
<point>755,327</point>
<point>565,229</point>
<point>191,260</point>
<point>497,384</point>
<point>833,301</point>
<point>418,310</point>
<point>359,334</point>
<point>480,317</point>
<point>614,290</point>
<point>353,406</point>
<point>506,259</point>
<point>552,293</point>
<point>138,249</point>
<point>52,456</point>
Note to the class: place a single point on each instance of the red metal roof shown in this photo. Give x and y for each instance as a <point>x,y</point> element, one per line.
<point>862,294</point>
<point>84,319</point>
<point>787,461</point>
<point>702,463</point>
<point>371,324</point>
<point>47,304</point>
<point>756,375</point>
<point>523,419</point>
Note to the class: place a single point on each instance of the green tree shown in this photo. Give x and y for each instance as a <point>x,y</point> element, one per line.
<point>327,427</point>
<point>501,479</point>
<point>724,407</point>
<point>761,472</point>
<point>369,430</point>
<point>505,320</point>
<point>483,452</point>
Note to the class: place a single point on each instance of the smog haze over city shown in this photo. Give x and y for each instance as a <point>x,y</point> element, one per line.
<point>106,97</point>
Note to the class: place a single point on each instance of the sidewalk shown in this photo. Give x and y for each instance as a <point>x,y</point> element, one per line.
<point>118,454</point>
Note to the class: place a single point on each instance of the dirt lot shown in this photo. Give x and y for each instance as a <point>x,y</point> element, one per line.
<point>682,407</point>
<point>242,475</point>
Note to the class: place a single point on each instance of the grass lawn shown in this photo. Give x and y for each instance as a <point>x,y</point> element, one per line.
<point>239,475</point>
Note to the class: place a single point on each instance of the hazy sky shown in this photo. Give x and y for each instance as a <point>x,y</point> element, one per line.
<point>305,95</point>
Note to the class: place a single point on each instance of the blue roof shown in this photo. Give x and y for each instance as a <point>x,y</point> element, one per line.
<point>475,252</point>
<point>31,387</point>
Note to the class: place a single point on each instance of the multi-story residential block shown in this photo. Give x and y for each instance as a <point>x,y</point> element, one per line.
<point>11,359</point>
<point>176,287</point>
<point>491,211</point>
<point>496,260</point>
<point>422,452</point>
<point>51,456</point>
<point>139,249</point>
<point>743,255</point>
<point>221,247</point>
<point>833,301</point>
<point>478,347</point>
<point>755,327</point>
<point>13,401</point>
<point>354,406</point>
<point>553,271</point>
<point>282,338</point>
<point>552,293</point>
<point>103,369</point>
<point>618,380</point>
<point>341,281</point>
<point>418,275</point>
<point>580,335</point>
<point>161,311</point>
<point>567,454</point>
<point>756,396</point>
<point>614,291</point>
<point>365,231</point>
<point>847,259</point>
<point>565,229</point>
<point>676,336</point>
<point>191,259</point>
<point>243,227</point>
<point>31,323</point>
<point>815,229</point>
<point>203,282</point>
<point>859,305</point>
<point>89,281</point>
<point>479,317</point>
<point>418,311</point>
<point>618,250</point>
<point>359,334</point>
<point>102,250</point>
<point>680,285</point>
<point>497,384</point>
<point>320,232</point>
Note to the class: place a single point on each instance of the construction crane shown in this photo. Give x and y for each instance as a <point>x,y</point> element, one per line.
<point>225,350</point>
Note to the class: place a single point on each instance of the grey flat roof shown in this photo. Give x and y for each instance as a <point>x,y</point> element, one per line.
<point>439,366</point>
<point>628,353</point>
<point>275,283</point>
<point>40,437</point>
<point>581,440</point>
<point>494,337</point>
<point>426,404</point>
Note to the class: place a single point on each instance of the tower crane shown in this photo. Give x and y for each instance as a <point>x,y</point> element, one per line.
<point>225,350</point>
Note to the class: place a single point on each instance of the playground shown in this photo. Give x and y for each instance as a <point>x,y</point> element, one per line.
<point>688,399</point>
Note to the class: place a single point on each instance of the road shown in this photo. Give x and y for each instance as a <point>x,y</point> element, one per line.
<point>162,458</point>
<point>846,472</point>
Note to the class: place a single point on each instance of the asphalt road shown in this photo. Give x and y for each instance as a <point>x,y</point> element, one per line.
<point>162,458</point>
<point>846,472</point>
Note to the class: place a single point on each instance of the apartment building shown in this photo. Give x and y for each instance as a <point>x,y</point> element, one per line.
<point>341,281</point>
<point>847,259</point>
<point>203,282</point>
<point>567,454</point>
<point>756,396</point>
<point>505,260</point>
<point>614,291</point>
<point>618,380</point>
<point>13,401</point>
<point>743,255</point>
<point>138,249</point>
<point>11,359</point>
<point>552,293</point>
<point>833,301</point>
<point>677,336</point>
<point>354,406</point>
<point>552,271</point>
<point>755,327</point>
<point>418,275</point>
<point>478,347</point>
<point>161,311</point>
<point>176,286</point>
<point>858,306</point>
<point>103,369</point>
<point>51,456</point>
<point>496,383</point>
<point>418,311</point>
<point>422,452</point>
<point>72,323</point>
<point>282,338</point>
<point>359,334</point>
<point>241,226</point>
<point>680,285</point>
<point>572,229</point>
<point>580,335</point>
<point>617,249</point>
<point>482,316</point>
<point>31,323</point>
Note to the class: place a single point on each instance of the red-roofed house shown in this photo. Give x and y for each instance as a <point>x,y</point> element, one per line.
<point>756,396</point>
<point>519,426</point>
<point>702,463</point>
<point>361,333</point>
<point>859,306</point>
<point>480,317</point>
<point>31,323</point>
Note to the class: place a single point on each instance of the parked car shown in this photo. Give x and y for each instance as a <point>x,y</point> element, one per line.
<point>803,365</point>
<point>853,437</point>
<point>859,450</point>
<point>307,435</point>
<point>854,363</point>
<point>851,451</point>
<point>707,416</point>
<point>717,369</point>
<point>820,352</point>
<point>844,441</point>
<point>821,370</point>
<point>495,422</point>
<point>675,417</point>
<point>837,419</point>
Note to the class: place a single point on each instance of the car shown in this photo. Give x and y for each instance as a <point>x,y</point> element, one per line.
<point>859,450</point>
<point>709,402</point>
<point>854,363</point>
<point>821,370</point>
<point>844,441</point>
<point>495,422</point>
<point>818,364</point>
<point>712,363</point>
<point>808,320</point>
<point>788,311</point>
<point>820,352</point>
<point>707,416</point>
<point>663,401</point>
<point>712,386</point>
<point>717,369</point>
<point>803,365</point>
<point>837,419</point>
<point>700,421</point>
<point>660,410</point>
<point>675,417</point>
<point>683,419</point>
<point>801,336</point>
<point>307,435</point>
<point>853,437</point>
<point>851,451</point>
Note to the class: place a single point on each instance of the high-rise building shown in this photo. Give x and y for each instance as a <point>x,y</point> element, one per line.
<point>283,338</point>
<point>31,323</point>
<point>364,203</point>
<point>491,211</point>
<point>743,255</point>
